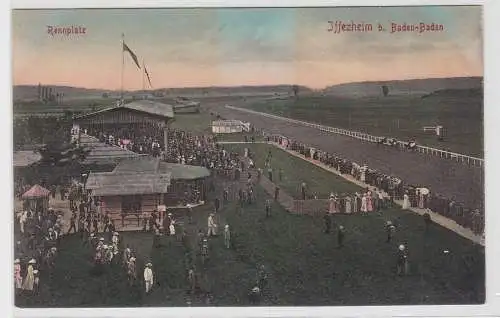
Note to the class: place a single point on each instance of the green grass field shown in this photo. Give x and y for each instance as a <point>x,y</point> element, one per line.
<point>397,116</point>
<point>295,171</point>
<point>305,266</point>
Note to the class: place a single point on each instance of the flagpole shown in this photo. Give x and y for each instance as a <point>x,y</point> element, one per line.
<point>143,75</point>
<point>123,67</point>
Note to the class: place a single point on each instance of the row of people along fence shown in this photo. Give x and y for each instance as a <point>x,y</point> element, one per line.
<point>467,217</point>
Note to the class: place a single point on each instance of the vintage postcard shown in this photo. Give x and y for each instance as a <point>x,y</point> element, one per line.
<point>233,157</point>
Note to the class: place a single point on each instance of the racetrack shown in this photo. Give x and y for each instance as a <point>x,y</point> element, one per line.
<point>445,177</point>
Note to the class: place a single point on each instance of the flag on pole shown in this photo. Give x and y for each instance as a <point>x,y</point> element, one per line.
<point>147,75</point>
<point>132,54</point>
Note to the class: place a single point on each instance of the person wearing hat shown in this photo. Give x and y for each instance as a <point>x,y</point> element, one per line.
<point>254,296</point>
<point>331,203</point>
<point>390,229</point>
<point>127,254</point>
<point>402,260</point>
<point>51,235</point>
<point>204,250</point>
<point>166,223</point>
<point>29,280</point>
<point>268,208</point>
<point>262,277</point>
<point>227,236</point>
<point>192,281</point>
<point>340,236</point>
<point>50,256</point>
<point>276,193</point>
<point>364,204</point>
<point>18,280</point>
<point>148,277</point>
<point>356,202</point>
<point>211,225</point>
<point>406,201</point>
<point>131,270</point>
<point>36,281</point>
<point>171,227</point>
<point>115,238</point>
<point>109,254</point>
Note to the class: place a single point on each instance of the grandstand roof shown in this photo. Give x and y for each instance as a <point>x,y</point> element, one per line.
<point>142,175</point>
<point>143,105</point>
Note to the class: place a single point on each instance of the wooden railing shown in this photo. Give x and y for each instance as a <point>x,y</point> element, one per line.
<point>445,154</point>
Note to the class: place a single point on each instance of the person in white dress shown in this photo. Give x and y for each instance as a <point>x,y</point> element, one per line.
<point>148,277</point>
<point>406,202</point>
<point>29,280</point>
<point>348,200</point>
<point>172,227</point>
<point>364,205</point>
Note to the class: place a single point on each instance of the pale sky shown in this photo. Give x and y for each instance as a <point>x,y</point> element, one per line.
<point>230,47</point>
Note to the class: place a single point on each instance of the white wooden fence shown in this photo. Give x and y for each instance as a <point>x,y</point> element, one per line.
<point>366,137</point>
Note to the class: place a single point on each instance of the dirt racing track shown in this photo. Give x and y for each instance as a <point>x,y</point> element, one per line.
<point>451,179</point>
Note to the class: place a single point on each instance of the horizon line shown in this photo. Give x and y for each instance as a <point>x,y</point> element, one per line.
<point>263,85</point>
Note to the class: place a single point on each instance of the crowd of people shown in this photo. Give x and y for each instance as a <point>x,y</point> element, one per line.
<point>38,232</point>
<point>394,187</point>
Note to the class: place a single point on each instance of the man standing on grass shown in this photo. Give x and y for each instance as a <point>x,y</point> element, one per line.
<point>262,278</point>
<point>340,236</point>
<point>268,208</point>
<point>148,277</point>
<point>390,229</point>
<point>276,193</point>
<point>211,225</point>
<point>72,224</point>
<point>402,260</point>
<point>226,195</point>
<point>270,174</point>
<point>303,190</point>
<point>217,205</point>
<point>227,236</point>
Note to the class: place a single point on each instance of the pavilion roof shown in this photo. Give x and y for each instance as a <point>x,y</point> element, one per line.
<point>144,105</point>
<point>24,158</point>
<point>35,192</point>
<point>143,175</point>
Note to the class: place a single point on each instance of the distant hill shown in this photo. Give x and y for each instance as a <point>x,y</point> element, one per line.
<point>460,93</point>
<point>30,92</point>
<point>403,87</point>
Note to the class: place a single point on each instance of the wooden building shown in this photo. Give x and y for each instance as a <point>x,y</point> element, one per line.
<point>144,117</point>
<point>138,186</point>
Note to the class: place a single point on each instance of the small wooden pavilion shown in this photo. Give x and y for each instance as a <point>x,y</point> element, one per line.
<point>138,186</point>
<point>141,117</point>
<point>37,198</point>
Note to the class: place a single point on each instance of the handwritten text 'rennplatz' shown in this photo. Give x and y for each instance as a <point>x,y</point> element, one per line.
<point>66,30</point>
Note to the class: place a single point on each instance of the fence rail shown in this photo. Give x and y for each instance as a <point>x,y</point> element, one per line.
<point>370,138</point>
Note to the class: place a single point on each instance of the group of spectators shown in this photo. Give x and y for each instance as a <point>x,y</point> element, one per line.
<point>140,140</point>
<point>393,186</point>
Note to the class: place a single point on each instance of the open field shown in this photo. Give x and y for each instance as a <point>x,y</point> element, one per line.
<point>305,266</point>
<point>318,181</point>
<point>394,116</point>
